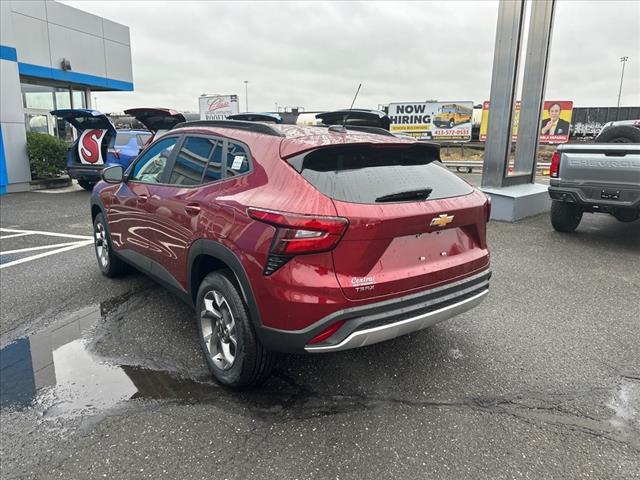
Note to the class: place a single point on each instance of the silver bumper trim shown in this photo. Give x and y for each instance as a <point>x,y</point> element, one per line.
<point>370,336</point>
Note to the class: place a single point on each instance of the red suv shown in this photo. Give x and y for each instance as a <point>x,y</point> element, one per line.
<point>295,239</point>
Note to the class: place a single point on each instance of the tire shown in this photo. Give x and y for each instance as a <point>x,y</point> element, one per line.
<point>222,318</point>
<point>619,134</point>
<point>86,184</point>
<point>565,217</point>
<point>110,265</point>
<point>451,123</point>
<point>626,215</point>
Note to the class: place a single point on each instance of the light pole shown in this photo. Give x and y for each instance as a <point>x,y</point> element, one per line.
<point>246,95</point>
<point>624,61</point>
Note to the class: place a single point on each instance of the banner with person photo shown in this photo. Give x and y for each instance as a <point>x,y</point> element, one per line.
<point>554,126</point>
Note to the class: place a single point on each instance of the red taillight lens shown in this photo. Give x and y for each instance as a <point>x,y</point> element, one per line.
<point>327,332</point>
<point>299,234</point>
<point>555,165</point>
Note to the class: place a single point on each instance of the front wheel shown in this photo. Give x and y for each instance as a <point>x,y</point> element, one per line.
<point>565,217</point>
<point>235,356</point>
<point>110,265</point>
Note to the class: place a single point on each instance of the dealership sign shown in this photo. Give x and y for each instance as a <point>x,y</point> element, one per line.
<point>217,107</point>
<point>554,125</point>
<point>440,121</point>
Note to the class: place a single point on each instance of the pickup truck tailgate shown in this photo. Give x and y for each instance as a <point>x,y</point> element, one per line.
<point>600,164</point>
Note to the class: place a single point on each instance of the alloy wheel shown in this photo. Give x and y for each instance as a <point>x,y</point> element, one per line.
<point>218,330</point>
<point>102,245</point>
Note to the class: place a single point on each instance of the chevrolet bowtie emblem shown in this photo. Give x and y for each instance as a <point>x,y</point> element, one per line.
<point>442,220</point>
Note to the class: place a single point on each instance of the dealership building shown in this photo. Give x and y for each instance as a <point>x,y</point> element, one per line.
<point>52,56</point>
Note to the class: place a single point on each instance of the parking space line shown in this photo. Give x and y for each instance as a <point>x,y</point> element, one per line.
<point>46,254</point>
<point>42,247</point>
<point>4,237</point>
<point>50,234</point>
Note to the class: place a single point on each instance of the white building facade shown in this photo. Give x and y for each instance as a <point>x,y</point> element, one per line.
<point>52,56</point>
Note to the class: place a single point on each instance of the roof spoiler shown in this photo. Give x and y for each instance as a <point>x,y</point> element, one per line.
<point>262,128</point>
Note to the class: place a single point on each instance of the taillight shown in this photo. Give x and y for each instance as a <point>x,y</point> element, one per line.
<point>298,234</point>
<point>115,152</point>
<point>555,165</point>
<point>487,209</point>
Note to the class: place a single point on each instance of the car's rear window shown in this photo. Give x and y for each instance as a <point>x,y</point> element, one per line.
<point>373,174</point>
<point>123,138</point>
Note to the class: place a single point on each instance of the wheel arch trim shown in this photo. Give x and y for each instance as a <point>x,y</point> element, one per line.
<point>224,254</point>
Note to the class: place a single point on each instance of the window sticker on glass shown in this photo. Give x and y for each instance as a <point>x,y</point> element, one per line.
<point>237,162</point>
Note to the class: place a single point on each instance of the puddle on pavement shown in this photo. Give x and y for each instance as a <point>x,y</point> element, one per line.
<point>55,372</point>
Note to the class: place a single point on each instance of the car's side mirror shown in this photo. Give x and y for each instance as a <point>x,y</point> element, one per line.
<point>113,174</point>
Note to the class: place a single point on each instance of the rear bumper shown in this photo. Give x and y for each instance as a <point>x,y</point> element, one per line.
<point>89,173</point>
<point>380,321</point>
<point>590,197</point>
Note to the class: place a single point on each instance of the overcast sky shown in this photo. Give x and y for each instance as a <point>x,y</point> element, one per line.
<point>314,54</point>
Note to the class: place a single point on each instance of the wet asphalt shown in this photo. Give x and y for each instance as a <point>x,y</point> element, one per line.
<point>103,378</point>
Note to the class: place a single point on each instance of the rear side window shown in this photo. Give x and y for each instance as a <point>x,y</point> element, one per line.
<point>237,159</point>
<point>191,161</point>
<point>376,174</point>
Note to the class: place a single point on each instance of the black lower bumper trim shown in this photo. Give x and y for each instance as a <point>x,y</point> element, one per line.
<point>376,314</point>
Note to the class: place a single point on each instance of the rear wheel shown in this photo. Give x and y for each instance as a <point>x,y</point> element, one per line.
<point>619,134</point>
<point>451,123</point>
<point>565,217</point>
<point>626,214</point>
<point>86,184</point>
<point>110,265</point>
<point>235,356</point>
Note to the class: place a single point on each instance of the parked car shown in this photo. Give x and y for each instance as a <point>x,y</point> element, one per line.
<point>99,144</point>
<point>256,117</point>
<point>596,179</point>
<point>356,117</point>
<point>295,239</point>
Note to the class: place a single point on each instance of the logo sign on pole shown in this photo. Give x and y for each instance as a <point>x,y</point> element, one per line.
<point>217,107</point>
<point>90,147</point>
<point>554,127</point>
<point>438,121</point>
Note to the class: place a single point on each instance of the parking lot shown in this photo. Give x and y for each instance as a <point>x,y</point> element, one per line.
<point>104,378</point>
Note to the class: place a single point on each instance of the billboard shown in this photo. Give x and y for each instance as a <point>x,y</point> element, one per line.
<point>438,121</point>
<point>554,126</point>
<point>217,107</point>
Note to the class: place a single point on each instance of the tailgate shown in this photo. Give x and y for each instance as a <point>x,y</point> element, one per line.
<point>599,165</point>
<point>400,247</point>
<point>412,223</point>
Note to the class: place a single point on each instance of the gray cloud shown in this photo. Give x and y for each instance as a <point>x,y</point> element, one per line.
<point>314,54</point>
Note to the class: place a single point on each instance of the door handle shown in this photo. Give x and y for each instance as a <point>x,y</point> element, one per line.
<point>143,197</point>
<point>192,209</point>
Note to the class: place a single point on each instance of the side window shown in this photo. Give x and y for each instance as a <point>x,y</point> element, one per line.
<point>214,168</point>
<point>150,167</point>
<point>237,161</point>
<point>191,161</point>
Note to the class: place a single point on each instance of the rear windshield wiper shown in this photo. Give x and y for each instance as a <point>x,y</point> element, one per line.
<point>421,194</point>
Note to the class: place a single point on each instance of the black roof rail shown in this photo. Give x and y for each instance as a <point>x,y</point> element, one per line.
<point>237,124</point>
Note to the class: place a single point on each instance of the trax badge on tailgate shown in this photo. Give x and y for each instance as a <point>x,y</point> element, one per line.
<point>441,220</point>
